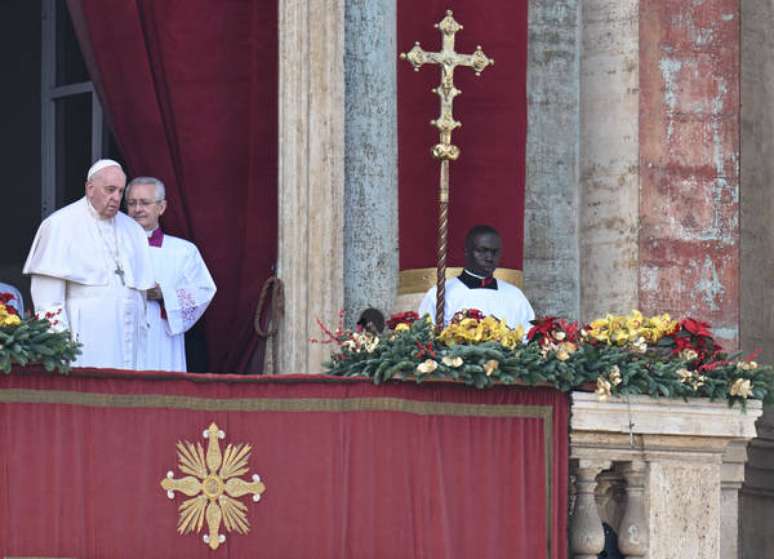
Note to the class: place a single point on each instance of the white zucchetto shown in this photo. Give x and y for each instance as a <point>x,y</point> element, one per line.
<point>101,164</point>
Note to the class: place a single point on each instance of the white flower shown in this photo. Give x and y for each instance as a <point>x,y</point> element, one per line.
<point>491,366</point>
<point>370,345</point>
<point>603,389</point>
<point>427,366</point>
<point>741,387</point>
<point>640,345</point>
<point>615,375</point>
<point>453,362</point>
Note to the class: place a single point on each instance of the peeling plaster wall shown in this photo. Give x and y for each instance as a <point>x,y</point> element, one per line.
<point>689,165</point>
<point>551,198</point>
<point>609,156</point>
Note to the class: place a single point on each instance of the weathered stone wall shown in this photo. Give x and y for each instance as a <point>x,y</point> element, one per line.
<point>551,194</point>
<point>689,165</point>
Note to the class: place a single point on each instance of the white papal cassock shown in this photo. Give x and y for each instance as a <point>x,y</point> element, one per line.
<point>186,289</point>
<point>96,270</point>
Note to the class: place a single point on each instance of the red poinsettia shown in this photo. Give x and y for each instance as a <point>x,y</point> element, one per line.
<point>694,338</point>
<point>5,298</point>
<point>551,329</point>
<point>408,317</point>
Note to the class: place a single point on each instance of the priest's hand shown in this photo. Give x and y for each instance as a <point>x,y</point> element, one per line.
<point>154,293</point>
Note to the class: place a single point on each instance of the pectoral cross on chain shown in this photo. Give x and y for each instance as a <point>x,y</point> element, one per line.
<point>445,151</point>
<point>119,271</point>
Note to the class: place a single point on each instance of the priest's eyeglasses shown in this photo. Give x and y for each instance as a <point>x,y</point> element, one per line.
<point>141,203</point>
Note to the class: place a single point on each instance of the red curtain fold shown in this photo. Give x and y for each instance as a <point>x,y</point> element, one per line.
<point>487,182</point>
<point>190,90</point>
<point>351,469</point>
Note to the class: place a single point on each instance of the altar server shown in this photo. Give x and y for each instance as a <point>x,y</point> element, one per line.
<point>183,285</point>
<point>476,288</point>
<point>91,264</point>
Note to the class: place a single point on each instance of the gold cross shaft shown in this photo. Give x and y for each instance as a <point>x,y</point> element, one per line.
<point>445,151</point>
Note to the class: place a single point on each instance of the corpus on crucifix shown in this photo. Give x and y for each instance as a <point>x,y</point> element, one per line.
<point>448,59</point>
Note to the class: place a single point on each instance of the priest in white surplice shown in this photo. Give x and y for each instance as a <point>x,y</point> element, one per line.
<point>92,262</point>
<point>476,288</point>
<point>184,287</point>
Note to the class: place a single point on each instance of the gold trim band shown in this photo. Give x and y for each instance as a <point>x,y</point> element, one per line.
<point>419,280</point>
<point>417,407</point>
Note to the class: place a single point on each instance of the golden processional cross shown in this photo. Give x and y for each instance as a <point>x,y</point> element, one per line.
<point>448,59</point>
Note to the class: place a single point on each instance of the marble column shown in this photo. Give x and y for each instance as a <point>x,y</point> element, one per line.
<point>371,158</point>
<point>311,176</point>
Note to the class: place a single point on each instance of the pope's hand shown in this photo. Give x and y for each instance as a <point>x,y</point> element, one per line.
<point>154,294</point>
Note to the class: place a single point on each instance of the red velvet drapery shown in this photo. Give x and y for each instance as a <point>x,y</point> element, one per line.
<point>487,182</point>
<point>351,469</point>
<point>190,90</point>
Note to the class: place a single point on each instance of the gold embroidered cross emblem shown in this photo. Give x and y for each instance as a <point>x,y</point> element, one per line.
<point>214,485</point>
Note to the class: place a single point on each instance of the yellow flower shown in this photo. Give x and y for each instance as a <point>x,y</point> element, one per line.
<point>741,387</point>
<point>453,362</point>
<point>603,388</point>
<point>427,366</point>
<point>10,320</point>
<point>491,366</point>
<point>615,375</point>
<point>402,327</point>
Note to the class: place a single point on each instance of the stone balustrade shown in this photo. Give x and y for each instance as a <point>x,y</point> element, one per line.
<point>664,474</point>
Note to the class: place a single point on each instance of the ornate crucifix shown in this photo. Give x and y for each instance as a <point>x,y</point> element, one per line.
<point>445,151</point>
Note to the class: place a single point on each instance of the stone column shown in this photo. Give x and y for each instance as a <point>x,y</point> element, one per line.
<point>757,506</point>
<point>551,200</point>
<point>587,538</point>
<point>371,158</point>
<point>311,176</point>
<point>609,157</point>
<point>633,531</point>
<point>757,176</point>
<point>731,479</point>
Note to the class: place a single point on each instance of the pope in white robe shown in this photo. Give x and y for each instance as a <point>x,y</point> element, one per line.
<point>91,263</point>
<point>184,287</point>
<point>476,288</point>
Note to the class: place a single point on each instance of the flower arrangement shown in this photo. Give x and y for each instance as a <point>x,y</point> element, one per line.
<point>36,340</point>
<point>616,355</point>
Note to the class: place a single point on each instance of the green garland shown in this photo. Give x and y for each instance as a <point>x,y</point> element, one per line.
<point>33,343</point>
<point>416,353</point>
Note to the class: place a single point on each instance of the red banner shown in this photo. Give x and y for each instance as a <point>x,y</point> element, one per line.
<point>487,182</point>
<point>349,469</point>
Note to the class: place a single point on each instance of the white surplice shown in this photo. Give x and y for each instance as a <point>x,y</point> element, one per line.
<point>186,289</point>
<point>507,303</point>
<point>75,261</point>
